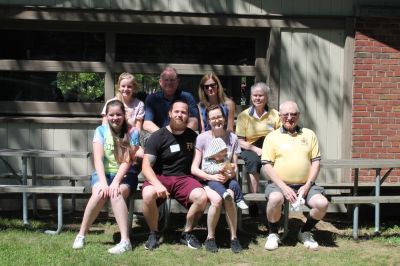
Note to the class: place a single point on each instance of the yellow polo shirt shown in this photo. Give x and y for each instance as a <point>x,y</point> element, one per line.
<point>291,155</point>
<point>252,128</point>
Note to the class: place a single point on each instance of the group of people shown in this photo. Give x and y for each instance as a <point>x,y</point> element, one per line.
<point>197,169</point>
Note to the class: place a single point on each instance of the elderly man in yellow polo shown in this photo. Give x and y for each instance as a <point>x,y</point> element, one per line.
<point>290,158</point>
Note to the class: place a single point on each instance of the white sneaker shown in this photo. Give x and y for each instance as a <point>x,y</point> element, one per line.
<point>79,242</point>
<point>308,241</point>
<point>120,248</point>
<point>227,195</point>
<point>272,242</point>
<point>242,205</point>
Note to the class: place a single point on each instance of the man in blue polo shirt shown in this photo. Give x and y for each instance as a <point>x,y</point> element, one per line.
<point>157,104</point>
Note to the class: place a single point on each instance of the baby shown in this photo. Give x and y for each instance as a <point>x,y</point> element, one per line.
<point>216,161</point>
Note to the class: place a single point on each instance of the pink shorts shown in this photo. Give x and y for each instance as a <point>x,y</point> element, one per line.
<point>179,188</point>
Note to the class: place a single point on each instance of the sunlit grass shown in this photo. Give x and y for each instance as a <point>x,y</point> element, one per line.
<point>30,246</point>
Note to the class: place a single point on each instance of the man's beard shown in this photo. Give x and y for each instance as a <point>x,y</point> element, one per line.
<point>177,125</point>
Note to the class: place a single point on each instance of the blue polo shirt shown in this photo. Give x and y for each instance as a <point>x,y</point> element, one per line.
<point>157,106</point>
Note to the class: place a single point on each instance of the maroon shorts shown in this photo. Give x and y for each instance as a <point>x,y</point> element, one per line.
<point>179,188</point>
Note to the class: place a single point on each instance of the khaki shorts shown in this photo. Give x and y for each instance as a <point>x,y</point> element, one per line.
<point>314,190</point>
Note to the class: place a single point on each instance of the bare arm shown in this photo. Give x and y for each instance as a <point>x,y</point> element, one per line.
<point>196,171</point>
<point>314,171</point>
<point>231,115</point>
<point>104,120</point>
<point>114,189</point>
<point>193,123</point>
<point>288,192</point>
<point>151,177</point>
<point>150,126</point>
<point>98,154</point>
<point>201,122</point>
<point>247,146</point>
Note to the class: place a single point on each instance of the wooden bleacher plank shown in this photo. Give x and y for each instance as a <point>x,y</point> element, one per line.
<point>41,189</point>
<point>365,199</point>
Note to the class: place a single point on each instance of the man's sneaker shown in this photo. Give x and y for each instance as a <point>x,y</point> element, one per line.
<point>210,245</point>
<point>242,205</point>
<point>272,242</point>
<point>190,240</point>
<point>227,195</point>
<point>120,248</point>
<point>152,241</point>
<point>308,241</point>
<point>235,246</point>
<point>79,242</point>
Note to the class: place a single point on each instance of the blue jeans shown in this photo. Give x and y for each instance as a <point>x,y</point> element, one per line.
<point>221,188</point>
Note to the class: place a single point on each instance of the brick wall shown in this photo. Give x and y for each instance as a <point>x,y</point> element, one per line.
<point>376,92</point>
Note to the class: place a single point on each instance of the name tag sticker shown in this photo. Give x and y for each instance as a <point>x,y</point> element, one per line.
<point>174,148</point>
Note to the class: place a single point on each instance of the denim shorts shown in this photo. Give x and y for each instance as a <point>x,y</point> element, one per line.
<point>130,179</point>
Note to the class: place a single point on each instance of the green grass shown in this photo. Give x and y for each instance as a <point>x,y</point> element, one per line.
<point>21,246</point>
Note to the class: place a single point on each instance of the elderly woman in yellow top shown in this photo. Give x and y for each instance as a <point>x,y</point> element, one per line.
<point>253,124</point>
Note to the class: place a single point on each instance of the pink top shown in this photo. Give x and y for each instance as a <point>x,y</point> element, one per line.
<point>136,108</point>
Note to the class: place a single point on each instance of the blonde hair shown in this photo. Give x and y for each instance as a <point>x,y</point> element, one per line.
<point>134,82</point>
<point>203,98</point>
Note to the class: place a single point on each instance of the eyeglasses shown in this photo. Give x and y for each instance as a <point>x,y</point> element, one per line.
<point>290,114</point>
<point>210,86</point>
<point>215,118</point>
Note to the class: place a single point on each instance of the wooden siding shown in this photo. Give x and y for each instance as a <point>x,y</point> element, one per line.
<point>71,137</point>
<point>244,7</point>
<point>311,73</point>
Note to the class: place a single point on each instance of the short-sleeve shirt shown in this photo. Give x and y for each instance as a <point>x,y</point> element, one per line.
<point>291,154</point>
<point>252,128</point>
<point>103,136</point>
<point>174,153</point>
<point>157,107</point>
<point>136,107</point>
<point>231,141</point>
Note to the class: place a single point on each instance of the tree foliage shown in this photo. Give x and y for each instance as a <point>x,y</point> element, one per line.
<point>81,87</point>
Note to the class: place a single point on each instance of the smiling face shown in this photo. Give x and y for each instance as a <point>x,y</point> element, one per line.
<point>178,116</point>
<point>115,117</point>
<point>216,119</point>
<point>169,82</point>
<point>210,88</point>
<point>259,98</point>
<point>289,115</point>
<point>126,88</point>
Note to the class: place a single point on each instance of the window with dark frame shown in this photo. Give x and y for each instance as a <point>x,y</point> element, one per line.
<point>86,86</point>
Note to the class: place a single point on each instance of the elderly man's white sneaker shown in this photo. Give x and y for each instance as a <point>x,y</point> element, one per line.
<point>272,242</point>
<point>308,240</point>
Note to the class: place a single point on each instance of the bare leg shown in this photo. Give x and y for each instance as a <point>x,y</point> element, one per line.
<point>214,211</point>
<point>198,198</point>
<point>319,205</point>
<point>92,210</point>
<point>150,210</point>
<point>231,215</point>
<point>121,211</point>
<point>274,207</point>
<point>254,180</point>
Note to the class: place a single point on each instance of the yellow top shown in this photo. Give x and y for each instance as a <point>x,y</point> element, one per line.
<point>291,154</point>
<point>252,128</point>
